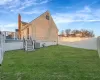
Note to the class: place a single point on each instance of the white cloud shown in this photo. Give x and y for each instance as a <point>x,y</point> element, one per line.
<point>97,13</point>
<point>44,1</point>
<point>18,4</point>
<point>86,9</point>
<point>33,12</point>
<point>3,2</point>
<point>9,3</point>
<point>28,3</point>
<point>84,15</point>
<point>8,27</point>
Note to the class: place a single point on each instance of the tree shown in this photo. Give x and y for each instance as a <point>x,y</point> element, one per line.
<point>74,32</point>
<point>87,33</point>
<point>62,33</point>
<point>77,33</point>
<point>91,34</point>
<point>67,31</point>
<point>83,31</point>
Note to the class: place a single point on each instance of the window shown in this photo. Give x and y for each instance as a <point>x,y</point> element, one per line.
<point>47,17</point>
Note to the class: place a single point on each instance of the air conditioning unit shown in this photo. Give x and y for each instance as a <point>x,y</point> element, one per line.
<point>37,45</point>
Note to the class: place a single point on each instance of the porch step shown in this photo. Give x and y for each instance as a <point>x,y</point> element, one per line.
<point>30,45</point>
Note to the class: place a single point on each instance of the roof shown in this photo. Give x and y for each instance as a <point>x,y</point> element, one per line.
<point>61,35</point>
<point>36,18</point>
<point>24,22</point>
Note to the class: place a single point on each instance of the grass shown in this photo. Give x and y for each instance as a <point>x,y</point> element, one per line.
<point>51,63</point>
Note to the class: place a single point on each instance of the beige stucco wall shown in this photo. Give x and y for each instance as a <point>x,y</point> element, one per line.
<point>42,29</point>
<point>24,32</point>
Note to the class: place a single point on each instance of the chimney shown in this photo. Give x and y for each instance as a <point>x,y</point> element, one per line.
<point>19,26</point>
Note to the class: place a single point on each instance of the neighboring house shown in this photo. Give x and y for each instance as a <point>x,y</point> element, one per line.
<point>42,28</point>
<point>8,34</point>
<point>78,35</point>
<point>71,35</point>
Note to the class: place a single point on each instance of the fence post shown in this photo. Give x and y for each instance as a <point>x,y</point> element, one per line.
<point>2,41</point>
<point>33,43</point>
<point>98,45</point>
<point>26,45</point>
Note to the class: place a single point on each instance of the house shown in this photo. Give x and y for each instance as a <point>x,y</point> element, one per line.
<point>42,28</point>
<point>8,34</point>
<point>78,35</point>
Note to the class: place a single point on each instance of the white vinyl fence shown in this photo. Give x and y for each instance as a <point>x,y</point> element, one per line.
<point>13,46</point>
<point>98,45</point>
<point>2,41</point>
<point>86,44</point>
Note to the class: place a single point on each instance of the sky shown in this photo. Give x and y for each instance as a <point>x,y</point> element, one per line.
<point>67,14</point>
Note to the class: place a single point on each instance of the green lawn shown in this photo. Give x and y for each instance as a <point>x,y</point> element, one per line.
<point>51,63</point>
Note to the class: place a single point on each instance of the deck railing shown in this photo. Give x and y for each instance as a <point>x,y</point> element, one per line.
<point>25,43</point>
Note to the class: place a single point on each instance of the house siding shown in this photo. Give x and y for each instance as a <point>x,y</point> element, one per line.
<point>42,29</point>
